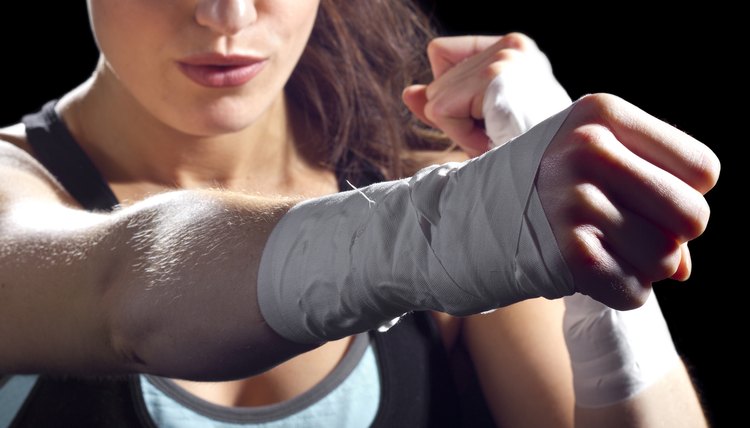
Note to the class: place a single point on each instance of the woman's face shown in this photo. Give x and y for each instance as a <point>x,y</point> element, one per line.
<point>203,67</point>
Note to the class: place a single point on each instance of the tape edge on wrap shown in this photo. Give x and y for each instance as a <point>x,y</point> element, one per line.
<point>268,296</point>
<point>534,216</point>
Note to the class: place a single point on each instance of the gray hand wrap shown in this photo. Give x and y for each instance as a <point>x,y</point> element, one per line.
<point>457,238</point>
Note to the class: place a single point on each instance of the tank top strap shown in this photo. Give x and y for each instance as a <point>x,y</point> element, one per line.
<point>57,150</point>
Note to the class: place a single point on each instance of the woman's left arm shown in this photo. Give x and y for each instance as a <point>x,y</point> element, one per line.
<point>522,364</point>
<point>524,368</point>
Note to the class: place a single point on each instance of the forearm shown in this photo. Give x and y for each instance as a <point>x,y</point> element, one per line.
<point>165,286</point>
<point>626,370</point>
<point>671,401</point>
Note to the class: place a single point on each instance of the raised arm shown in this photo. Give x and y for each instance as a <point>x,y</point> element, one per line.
<point>597,191</point>
<point>165,286</point>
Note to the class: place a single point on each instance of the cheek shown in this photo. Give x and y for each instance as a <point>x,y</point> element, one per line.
<point>296,18</point>
<point>109,19</point>
<point>113,22</point>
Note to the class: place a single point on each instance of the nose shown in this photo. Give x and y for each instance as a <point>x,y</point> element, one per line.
<point>226,17</point>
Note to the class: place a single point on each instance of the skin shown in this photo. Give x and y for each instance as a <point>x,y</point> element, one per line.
<point>603,230</point>
<point>463,67</point>
<point>193,138</point>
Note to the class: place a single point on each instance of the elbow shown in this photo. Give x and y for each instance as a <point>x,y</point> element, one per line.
<point>125,333</point>
<point>125,352</point>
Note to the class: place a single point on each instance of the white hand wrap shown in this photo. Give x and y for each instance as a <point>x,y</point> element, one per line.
<point>524,94</point>
<point>615,354</point>
<point>457,238</point>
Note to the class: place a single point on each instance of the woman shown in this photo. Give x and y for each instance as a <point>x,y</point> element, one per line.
<point>250,107</point>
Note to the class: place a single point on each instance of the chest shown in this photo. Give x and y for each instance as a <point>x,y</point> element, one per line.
<point>284,382</point>
<point>411,362</point>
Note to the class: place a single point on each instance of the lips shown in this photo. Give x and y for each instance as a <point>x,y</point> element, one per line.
<point>221,71</point>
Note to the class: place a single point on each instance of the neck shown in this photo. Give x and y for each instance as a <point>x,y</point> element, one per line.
<point>129,144</point>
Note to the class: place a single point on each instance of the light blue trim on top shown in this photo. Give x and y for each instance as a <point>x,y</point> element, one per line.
<point>13,393</point>
<point>349,397</point>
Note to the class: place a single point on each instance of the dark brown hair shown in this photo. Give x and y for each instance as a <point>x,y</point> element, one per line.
<point>347,86</point>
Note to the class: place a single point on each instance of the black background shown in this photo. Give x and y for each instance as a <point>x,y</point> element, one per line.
<point>679,65</point>
<point>682,66</point>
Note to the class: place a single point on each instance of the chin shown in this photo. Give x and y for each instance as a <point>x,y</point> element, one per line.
<point>216,123</point>
<point>210,127</point>
<point>216,115</point>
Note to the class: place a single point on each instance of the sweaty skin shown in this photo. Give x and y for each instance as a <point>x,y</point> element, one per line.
<point>113,324</point>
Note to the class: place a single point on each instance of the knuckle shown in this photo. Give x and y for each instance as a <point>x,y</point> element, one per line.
<point>435,111</point>
<point>587,148</point>
<point>697,222</point>
<point>665,262</point>
<point>704,214</point>
<point>597,275</point>
<point>587,135</point>
<point>603,99</point>
<point>493,70</point>
<point>590,139</point>
<point>586,197</point>
<point>603,278</point>
<point>436,48</point>
<point>670,262</point>
<point>691,214</point>
<point>598,107</point>
<point>518,41</point>
<point>431,91</point>
<point>507,55</point>
<point>585,247</point>
<point>435,45</point>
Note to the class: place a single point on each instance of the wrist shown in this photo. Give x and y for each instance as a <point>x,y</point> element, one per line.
<point>456,238</point>
<point>616,354</point>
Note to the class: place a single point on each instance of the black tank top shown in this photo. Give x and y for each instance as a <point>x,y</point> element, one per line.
<point>417,388</point>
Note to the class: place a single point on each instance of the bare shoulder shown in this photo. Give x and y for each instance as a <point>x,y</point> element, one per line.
<point>418,159</point>
<point>21,175</point>
<point>15,153</point>
<point>15,135</point>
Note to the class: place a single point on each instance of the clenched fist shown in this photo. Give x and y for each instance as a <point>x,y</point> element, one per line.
<point>623,192</point>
